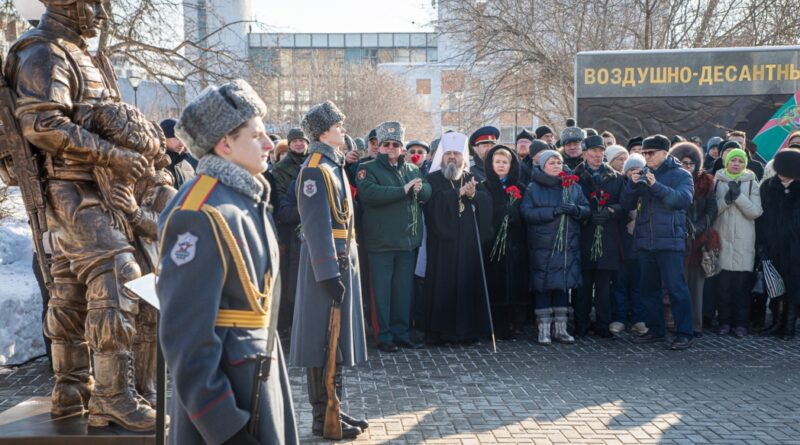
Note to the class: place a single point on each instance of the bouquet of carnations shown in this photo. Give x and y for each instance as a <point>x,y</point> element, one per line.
<point>499,248</point>
<point>597,242</point>
<point>567,181</point>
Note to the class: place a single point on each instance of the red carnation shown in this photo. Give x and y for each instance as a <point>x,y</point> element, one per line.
<point>514,191</point>
<point>415,158</point>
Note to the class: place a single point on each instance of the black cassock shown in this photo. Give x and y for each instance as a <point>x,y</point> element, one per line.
<point>455,304</point>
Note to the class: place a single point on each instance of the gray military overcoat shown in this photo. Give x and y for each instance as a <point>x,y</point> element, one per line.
<point>319,250</point>
<point>211,366</point>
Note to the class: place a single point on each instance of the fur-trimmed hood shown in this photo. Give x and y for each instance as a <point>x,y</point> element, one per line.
<point>690,150</point>
<point>254,187</point>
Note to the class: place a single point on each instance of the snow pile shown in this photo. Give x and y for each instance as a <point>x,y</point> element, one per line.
<point>20,299</point>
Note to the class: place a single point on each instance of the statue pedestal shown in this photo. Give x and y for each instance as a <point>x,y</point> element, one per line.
<point>30,423</point>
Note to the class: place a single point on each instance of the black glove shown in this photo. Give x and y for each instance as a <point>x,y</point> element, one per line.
<point>600,217</point>
<point>242,438</point>
<point>568,209</point>
<point>334,288</point>
<point>735,189</point>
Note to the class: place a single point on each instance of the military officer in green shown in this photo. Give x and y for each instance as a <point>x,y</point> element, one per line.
<point>329,270</point>
<point>391,192</point>
<point>218,281</point>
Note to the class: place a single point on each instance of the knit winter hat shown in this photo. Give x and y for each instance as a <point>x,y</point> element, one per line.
<point>320,118</point>
<point>525,134</point>
<point>216,112</point>
<point>713,142</point>
<point>168,127</point>
<point>390,131</point>
<point>547,154</point>
<point>296,133</point>
<point>735,153</point>
<point>613,151</point>
<point>539,146</point>
<point>543,130</point>
<point>635,161</point>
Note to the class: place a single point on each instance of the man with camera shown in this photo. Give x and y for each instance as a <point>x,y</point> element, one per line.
<point>661,192</point>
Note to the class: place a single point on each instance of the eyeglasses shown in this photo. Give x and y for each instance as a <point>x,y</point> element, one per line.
<point>417,152</point>
<point>649,153</point>
<point>687,163</point>
<point>391,144</point>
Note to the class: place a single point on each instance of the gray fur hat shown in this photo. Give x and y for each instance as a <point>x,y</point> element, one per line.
<point>635,161</point>
<point>320,118</point>
<point>216,112</point>
<point>572,134</point>
<point>390,131</point>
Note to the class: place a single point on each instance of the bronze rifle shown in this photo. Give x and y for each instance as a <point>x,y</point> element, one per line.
<point>21,164</point>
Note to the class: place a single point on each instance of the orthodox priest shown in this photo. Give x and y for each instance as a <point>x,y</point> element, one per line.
<point>457,215</point>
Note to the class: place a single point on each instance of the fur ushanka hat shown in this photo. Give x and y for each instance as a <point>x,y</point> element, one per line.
<point>320,118</point>
<point>216,112</point>
<point>691,151</point>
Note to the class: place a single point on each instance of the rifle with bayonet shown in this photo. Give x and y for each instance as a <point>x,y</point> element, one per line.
<point>21,165</point>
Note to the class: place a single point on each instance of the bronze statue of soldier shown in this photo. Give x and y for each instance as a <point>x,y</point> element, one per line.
<point>67,104</point>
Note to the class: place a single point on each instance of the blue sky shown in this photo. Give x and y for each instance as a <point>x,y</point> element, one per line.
<point>345,15</point>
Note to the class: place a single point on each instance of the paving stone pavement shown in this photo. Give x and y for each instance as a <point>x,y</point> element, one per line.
<point>721,391</point>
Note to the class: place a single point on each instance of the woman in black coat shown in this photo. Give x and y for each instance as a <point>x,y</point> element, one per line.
<point>778,236</point>
<point>600,184</point>
<point>553,271</point>
<point>506,262</point>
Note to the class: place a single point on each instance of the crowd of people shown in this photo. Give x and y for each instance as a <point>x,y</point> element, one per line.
<point>465,236</point>
<point>460,239</point>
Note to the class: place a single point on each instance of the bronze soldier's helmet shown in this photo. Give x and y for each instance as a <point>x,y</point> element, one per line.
<point>76,11</point>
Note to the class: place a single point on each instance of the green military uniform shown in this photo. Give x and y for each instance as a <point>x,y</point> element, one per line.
<point>393,231</point>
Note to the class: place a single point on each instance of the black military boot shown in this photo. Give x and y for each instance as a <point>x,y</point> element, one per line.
<point>318,397</point>
<point>346,418</point>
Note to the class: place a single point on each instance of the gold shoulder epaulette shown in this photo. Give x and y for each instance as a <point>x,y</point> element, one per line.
<point>199,193</point>
<point>315,160</point>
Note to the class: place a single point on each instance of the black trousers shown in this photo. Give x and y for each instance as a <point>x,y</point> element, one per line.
<point>733,298</point>
<point>596,286</point>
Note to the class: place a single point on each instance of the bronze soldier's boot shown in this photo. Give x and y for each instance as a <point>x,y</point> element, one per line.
<point>145,370</point>
<point>115,398</point>
<point>74,382</point>
<point>318,397</point>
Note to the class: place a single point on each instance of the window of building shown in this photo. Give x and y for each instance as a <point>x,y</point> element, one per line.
<point>433,55</point>
<point>452,81</point>
<point>352,40</point>
<point>319,40</point>
<point>303,96</point>
<point>417,56</point>
<point>418,40</point>
<point>369,40</point>
<point>287,96</point>
<point>370,55</point>
<point>386,55</point>
<point>302,40</point>
<point>385,40</point>
<point>336,40</point>
<point>401,55</point>
<point>401,40</point>
<point>423,86</point>
<point>424,102</point>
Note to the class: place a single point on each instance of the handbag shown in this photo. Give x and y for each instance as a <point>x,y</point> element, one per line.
<point>772,279</point>
<point>710,261</point>
<point>709,253</point>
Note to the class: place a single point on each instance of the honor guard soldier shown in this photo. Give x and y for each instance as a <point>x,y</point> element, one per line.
<point>328,289</point>
<point>217,281</point>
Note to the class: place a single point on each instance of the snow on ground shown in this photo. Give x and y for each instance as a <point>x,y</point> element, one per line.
<point>20,299</point>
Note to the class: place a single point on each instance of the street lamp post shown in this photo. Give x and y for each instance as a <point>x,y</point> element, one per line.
<point>135,81</point>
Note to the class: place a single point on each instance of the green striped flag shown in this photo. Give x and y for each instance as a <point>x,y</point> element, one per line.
<point>775,133</point>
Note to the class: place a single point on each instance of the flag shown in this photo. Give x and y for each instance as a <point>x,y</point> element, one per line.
<point>775,133</point>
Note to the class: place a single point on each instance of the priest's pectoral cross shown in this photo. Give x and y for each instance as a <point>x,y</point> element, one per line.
<point>460,207</point>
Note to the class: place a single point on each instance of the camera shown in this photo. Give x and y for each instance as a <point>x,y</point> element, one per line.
<point>643,174</point>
